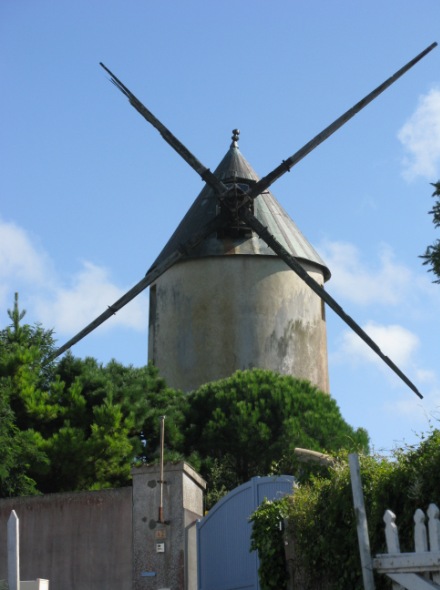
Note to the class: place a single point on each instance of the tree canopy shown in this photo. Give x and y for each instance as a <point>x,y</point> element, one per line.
<point>76,424</point>
<point>321,521</point>
<point>432,253</point>
<point>21,350</point>
<point>251,422</point>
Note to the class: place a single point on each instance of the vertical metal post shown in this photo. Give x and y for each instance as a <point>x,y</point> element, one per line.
<point>361,522</point>
<point>161,482</point>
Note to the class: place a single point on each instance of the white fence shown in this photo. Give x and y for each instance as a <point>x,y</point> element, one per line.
<point>419,570</point>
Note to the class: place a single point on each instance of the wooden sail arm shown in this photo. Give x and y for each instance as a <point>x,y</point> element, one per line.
<point>265,182</point>
<point>148,279</point>
<point>293,263</point>
<point>183,151</point>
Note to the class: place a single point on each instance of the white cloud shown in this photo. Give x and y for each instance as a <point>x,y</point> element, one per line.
<point>19,256</point>
<point>70,308</point>
<point>395,341</point>
<point>420,137</point>
<point>26,268</point>
<point>382,286</point>
<point>385,282</point>
<point>422,414</point>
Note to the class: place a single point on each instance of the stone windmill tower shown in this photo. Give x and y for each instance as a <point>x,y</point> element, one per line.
<point>232,303</point>
<point>223,295</point>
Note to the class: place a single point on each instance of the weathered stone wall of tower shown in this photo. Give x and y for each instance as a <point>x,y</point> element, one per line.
<point>212,316</point>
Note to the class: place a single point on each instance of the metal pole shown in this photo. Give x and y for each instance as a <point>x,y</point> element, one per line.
<point>361,521</point>
<point>161,482</point>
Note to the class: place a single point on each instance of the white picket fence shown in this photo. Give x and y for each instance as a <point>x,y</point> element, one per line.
<point>419,570</point>
<point>425,561</point>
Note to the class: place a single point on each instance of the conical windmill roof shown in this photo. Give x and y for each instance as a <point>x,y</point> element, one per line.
<point>235,168</point>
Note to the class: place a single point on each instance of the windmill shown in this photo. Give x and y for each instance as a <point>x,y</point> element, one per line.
<point>236,200</point>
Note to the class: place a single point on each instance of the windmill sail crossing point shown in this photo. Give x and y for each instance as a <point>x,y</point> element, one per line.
<point>235,212</point>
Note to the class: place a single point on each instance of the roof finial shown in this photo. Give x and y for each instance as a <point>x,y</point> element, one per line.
<point>235,136</point>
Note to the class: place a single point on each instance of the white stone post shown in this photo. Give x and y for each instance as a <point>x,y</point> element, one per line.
<point>13,552</point>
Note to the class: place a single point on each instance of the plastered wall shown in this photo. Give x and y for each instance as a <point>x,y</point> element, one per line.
<point>78,541</point>
<point>212,316</point>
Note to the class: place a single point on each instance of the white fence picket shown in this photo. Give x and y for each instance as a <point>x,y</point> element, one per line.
<point>434,534</point>
<point>420,535</point>
<point>419,570</point>
<point>392,539</point>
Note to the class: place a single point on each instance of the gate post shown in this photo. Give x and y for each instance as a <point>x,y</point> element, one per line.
<point>159,551</point>
<point>361,522</point>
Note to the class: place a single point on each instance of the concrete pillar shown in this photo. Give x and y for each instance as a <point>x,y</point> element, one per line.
<point>161,558</point>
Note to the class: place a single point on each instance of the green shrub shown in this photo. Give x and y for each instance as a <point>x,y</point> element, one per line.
<point>267,539</point>
<point>322,524</point>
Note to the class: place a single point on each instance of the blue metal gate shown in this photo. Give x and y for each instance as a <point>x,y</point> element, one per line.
<point>224,561</point>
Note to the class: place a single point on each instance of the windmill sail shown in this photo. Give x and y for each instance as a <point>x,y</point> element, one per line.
<point>290,260</point>
<point>286,165</point>
<point>152,275</point>
<point>171,139</point>
<point>234,204</point>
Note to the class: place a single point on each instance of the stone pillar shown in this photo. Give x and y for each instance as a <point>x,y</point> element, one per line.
<point>160,554</point>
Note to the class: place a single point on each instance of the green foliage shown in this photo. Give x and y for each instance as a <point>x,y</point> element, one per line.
<point>105,419</point>
<point>21,351</point>
<point>322,523</point>
<point>322,510</point>
<point>19,452</point>
<point>75,424</point>
<point>251,422</point>
<point>141,395</point>
<point>267,539</point>
<point>432,253</point>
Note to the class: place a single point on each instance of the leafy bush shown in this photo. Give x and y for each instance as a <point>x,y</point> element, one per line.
<point>251,422</point>
<point>267,539</point>
<point>322,523</point>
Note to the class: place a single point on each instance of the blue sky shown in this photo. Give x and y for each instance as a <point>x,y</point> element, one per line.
<point>90,193</point>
